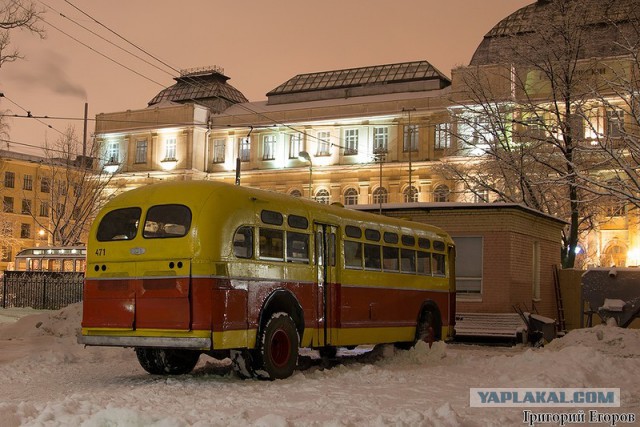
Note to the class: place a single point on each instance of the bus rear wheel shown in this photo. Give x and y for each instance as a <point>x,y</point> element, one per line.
<point>278,354</point>
<point>427,329</point>
<point>165,361</point>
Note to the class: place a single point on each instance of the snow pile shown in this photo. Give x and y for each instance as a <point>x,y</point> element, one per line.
<point>50,380</point>
<point>603,338</point>
<point>61,323</point>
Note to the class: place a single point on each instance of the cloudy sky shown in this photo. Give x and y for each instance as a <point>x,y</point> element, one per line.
<point>119,54</point>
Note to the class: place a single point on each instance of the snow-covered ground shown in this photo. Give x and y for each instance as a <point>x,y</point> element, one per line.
<point>49,380</point>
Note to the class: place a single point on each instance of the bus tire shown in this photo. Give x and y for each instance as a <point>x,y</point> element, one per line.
<point>428,328</point>
<point>164,361</point>
<point>278,354</point>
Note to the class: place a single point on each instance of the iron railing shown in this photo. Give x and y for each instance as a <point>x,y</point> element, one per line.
<point>40,290</point>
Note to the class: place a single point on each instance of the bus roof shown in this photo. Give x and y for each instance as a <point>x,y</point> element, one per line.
<point>196,194</point>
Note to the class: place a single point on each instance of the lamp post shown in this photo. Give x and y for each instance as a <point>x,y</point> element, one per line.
<point>379,155</point>
<point>305,157</point>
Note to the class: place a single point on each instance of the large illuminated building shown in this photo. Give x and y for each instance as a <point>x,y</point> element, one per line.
<point>363,136</point>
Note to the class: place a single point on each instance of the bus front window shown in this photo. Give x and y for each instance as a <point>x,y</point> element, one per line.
<point>119,224</point>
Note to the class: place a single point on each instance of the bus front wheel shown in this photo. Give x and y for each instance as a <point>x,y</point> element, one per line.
<point>278,355</point>
<point>161,361</point>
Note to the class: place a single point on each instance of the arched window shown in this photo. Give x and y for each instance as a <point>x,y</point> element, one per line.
<point>380,195</point>
<point>410,194</point>
<point>295,193</point>
<point>615,254</point>
<point>441,193</point>
<point>351,196</point>
<point>322,196</point>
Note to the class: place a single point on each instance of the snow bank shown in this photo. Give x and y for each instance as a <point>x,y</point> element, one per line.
<point>50,380</point>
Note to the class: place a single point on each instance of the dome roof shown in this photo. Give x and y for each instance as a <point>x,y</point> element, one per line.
<point>604,24</point>
<point>206,87</point>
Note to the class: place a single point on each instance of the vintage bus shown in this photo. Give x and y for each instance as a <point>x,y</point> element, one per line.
<point>178,269</point>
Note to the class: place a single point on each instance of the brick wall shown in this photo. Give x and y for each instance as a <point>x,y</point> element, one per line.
<point>509,233</point>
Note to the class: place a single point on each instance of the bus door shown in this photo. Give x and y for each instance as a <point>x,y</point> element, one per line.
<point>328,283</point>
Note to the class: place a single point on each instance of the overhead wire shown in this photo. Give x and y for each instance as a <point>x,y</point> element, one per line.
<point>103,38</point>
<point>38,119</point>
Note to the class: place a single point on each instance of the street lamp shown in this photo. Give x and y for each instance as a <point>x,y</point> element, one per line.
<point>379,154</point>
<point>305,157</point>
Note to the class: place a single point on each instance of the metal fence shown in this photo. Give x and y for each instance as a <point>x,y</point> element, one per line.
<point>40,290</point>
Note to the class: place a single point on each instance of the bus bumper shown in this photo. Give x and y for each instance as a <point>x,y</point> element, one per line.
<point>195,341</point>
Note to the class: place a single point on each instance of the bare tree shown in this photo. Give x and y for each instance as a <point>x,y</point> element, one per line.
<point>521,119</point>
<point>73,191</point>
<point>616,136</point>
<point>17,15</point>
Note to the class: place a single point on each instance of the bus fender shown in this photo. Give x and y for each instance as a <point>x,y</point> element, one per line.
<point>281,300</point>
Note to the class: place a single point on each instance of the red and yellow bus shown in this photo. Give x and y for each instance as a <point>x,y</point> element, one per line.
<point>184,268</point>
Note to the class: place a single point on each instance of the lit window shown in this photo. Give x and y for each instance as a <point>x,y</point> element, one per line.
<point>322,196</point>
<point>443,136</point>
<point>351,196</point>
<point>170,149</point>
<point>350,141</point>
<point>295,145</point>
<point>218,150</point>
<point>113,152</point>
<point>141,151</point>
<point>244,149</point>
<point>615,123</point>
<point>410,194</point>
<point>410,138</point>
<point>380,195</point>
<point>269,147</point>
<point>323,143</point>
<point>480,195</point>
<point>441,193</point>
<point>380,139</point>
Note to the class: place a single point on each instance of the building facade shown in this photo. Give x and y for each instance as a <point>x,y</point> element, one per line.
<point>364,136</point>
<point>26,185</point>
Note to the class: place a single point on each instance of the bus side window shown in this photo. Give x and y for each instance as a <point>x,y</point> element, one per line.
<point>438,264</point>
<point>407,260</point>
<point>424,263</point>
<point>271,244</point>
<point>243,242</point>
<point>352,254</point>
<point>297,247</point>
<point>390,258</point>
<point>372,256</point>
